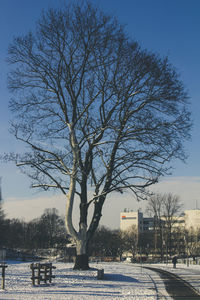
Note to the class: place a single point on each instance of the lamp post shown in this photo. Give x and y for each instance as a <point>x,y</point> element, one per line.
<point>0,191</point>
<point>186,247</point>
<point>164,244</point>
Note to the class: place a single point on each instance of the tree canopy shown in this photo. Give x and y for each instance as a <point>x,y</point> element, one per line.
<point>96,112</point>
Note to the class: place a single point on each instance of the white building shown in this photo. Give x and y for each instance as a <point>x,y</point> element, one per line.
<point>192,218</point>
<point>130,218</point>
<point>189,219</point>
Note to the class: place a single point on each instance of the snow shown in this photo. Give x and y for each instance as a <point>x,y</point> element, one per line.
<point>122,280</point>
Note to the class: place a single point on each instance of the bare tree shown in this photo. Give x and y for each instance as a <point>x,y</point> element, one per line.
<point>130,240</point>
<point>94,109</point>
<point>192,242</point>
<point>171,210</point>
<point>2,220</point>
<point>155,209</point>
<point>178,241</point>
<point>52,226</point>
<point>165,208</point>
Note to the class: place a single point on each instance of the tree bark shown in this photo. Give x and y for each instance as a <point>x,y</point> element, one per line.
<point>82,259</point>
<point>81,262</point>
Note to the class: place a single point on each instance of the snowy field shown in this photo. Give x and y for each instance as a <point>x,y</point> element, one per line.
<point>122,280</point>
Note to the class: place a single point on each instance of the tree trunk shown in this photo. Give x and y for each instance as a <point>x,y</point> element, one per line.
<point>81,262</point>
<point>82,259</point>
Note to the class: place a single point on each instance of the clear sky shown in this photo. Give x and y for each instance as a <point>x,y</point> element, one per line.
<point>168,27</point>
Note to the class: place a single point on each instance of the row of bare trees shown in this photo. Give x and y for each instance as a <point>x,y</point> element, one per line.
<point>114,243</point>
<point>184,243</point>
<point>46,231</point>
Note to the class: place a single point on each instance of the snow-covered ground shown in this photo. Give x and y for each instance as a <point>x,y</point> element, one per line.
<point>122,280</point>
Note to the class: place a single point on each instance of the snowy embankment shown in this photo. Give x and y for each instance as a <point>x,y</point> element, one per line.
<point>122,280</point>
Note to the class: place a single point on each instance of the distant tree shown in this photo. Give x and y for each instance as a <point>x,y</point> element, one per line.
<point>146,242</point>
<point>47,231</point>
<point>178,241</point>
<point>171,212</point>
<point>130,240</point>
<point>15,233</point>
<point>94,109</point>
<point>154,209</point>
<point>2,220</point>
<point>105,242</point>
<point>165,208</point>
<point>33,235</point>
<point>192,241</point>
<point>53,227</point>
<point>2,227</point>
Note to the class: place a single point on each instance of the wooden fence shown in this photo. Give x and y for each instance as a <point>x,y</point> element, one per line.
<point>42,273</point>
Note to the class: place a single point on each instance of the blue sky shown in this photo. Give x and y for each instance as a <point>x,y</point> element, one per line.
<point>168,27</point>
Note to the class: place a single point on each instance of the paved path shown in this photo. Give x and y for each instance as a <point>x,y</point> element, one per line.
<point>176,287</point>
